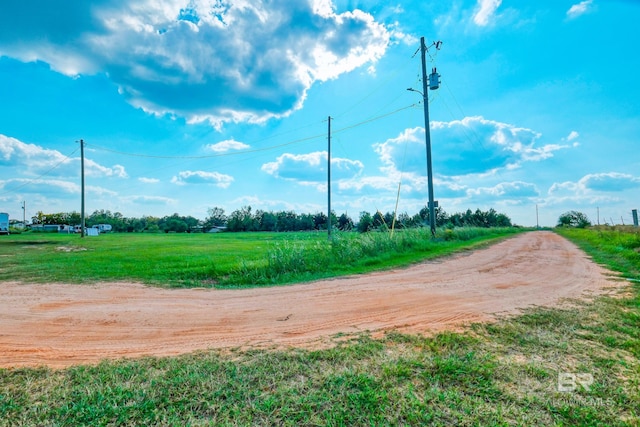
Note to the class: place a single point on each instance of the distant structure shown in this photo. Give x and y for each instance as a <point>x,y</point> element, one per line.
<point>4,223</point>
<point>634,212</point>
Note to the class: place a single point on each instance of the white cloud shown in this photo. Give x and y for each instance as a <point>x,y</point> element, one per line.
<point>149,180</point>
<point>202,177</point>
<point>573,135</point>
<point>515,192</point>
<point>52,188</point>
<point>170,59</point>
<point>473,145</point>
<point>579,9</point>
<point>94,169</point>
<point>311,168</point>
<point>226,146</point>
<point>55,187</point>
<point>592,185</point>
<point>485,11</point>
<point>36,161</point>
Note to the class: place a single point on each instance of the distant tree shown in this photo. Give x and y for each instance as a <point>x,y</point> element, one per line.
<point>38,218</point>
<point>49,219</point>
<point>573,219</point>
<point>216,218</point>
<point>150,224</point>
<point>424,216</point>
<point>365,223</point>
<point>404,221</point>
<point>320,221</point>
<point>268,220</point>
<point>379,222</point>
<point>306,222</point>
<point>178,224</point>
<point>345,223</point>
<point>388,218</point>
<point>242,220</point>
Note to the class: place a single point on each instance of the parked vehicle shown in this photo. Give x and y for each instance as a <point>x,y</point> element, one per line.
<point>103,228</point>
<point>67,229</point>
<point>4,223</point>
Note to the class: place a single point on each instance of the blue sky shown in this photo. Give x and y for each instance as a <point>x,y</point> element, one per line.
<point>189,105</point>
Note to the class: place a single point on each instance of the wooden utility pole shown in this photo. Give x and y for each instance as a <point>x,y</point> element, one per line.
<point>431,82</point>
<point>329,179</point>
<point>82,188</point>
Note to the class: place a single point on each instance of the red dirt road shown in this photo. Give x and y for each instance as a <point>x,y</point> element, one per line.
<point>60,325</point>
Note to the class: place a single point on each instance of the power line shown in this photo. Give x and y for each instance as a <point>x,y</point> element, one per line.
<point>273,147</point>
<point>207,156</point>
<point>43,174</point>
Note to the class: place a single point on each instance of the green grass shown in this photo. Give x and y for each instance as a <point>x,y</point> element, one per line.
<point>499,374</point>
<point>224,259</point>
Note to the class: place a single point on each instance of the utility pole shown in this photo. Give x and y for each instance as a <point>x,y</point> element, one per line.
<point>82,188</point>
<point>329,179</point>
<point>24,214</point>
<point>433,83</point>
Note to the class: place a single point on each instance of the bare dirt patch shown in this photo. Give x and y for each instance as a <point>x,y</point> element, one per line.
<point>59,325</point>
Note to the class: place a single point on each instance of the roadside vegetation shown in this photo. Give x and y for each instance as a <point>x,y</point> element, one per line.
<point>578,365</point>
<point>225,259</point>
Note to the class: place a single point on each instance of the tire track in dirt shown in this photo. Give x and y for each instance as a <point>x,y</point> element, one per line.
<point>61,325</point>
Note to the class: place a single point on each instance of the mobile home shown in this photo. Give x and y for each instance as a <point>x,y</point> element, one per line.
<point>103,228</point>
<point>4,223</point>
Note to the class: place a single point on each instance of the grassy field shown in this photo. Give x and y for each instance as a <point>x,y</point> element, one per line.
<point>502,374</point>
<point>224,259</point>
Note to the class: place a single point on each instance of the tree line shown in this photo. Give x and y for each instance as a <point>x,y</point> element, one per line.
<point>247,219</point>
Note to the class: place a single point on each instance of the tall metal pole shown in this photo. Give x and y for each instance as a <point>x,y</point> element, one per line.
<point>82,188</point>
<point>329,180</point>
<point>427,136</point>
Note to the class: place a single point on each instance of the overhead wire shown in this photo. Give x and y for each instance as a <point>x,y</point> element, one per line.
<point>414,105</point>
<point>382,84</point>
<point>256,150</point>
<point>29,181</point>
<point>464,128</point>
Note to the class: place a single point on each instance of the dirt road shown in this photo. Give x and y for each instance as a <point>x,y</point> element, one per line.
<point>61,325</point>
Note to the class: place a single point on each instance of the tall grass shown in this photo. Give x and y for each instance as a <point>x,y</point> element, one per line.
<point>618,247</point>
<point>350,253</point>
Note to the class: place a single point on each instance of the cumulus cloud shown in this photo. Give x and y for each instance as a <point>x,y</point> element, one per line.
<point>226,146</point>
<point>485,11</point>
<point>35,160</point>
<point>202,177</point>
<point>312,167</point>
<point>579,9</point>
<point>52,188</point>
<point>515,192</point>
<point>55,187</point>
<point>205,60</point>
<point>609,182</point>
<point>472,145</point>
